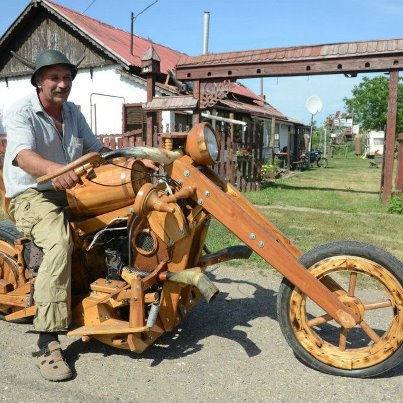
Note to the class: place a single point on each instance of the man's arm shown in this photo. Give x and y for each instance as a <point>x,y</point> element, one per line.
<point>153,166</point>
<point>36,165</point>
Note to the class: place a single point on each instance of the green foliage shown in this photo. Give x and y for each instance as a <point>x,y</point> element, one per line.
<point>323,205</point>
<point>270,168</point>
<point>396,205</point>
<point>369,103</point>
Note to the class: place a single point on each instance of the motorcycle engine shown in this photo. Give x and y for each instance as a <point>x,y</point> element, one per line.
<point>116,254</point>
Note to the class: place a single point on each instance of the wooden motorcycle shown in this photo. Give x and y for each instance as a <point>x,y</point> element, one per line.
<point>139,261</point>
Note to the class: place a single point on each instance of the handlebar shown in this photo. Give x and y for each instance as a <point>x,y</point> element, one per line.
<point>163,157</point>
<point>93,159</point>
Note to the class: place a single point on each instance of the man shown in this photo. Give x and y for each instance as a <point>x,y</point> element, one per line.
<point>45,132</point>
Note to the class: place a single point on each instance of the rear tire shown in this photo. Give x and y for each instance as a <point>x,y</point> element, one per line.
<point>367,279</point>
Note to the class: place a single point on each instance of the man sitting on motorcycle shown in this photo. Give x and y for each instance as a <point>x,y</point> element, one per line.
<point>45,132</point>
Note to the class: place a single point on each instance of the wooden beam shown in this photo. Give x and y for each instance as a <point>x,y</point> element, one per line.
<point>266,68</point>
<point>390,140</point>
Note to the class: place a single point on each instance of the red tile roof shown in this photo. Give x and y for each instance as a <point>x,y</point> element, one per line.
<point>240,89</point>
<point>116,40</point>
<point>264,110</point>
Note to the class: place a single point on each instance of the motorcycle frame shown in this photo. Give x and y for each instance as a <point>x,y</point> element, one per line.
<point>234,211</point>
<point>217,198</point>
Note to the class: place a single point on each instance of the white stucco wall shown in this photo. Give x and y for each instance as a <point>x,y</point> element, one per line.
<point>100,97</point>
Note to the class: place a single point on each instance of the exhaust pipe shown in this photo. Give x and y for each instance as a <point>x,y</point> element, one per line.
<point>229,253</point>
<point>196,279</point>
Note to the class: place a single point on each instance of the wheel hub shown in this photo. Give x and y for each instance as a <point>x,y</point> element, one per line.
<point>355,305</point>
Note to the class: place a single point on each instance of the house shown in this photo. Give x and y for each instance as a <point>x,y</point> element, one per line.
<point>109,79</point>
<point>111,89</point>
<point>276,131</point>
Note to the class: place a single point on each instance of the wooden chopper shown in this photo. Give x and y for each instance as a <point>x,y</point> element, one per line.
<point>138,263</point>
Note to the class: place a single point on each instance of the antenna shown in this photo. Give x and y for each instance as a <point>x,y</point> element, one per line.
<point>314,105</point>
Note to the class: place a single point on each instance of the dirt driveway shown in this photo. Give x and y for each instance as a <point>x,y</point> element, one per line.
<point>230,350</point>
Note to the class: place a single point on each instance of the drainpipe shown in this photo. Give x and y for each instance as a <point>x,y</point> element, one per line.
<point>92,105</point>
<point>206,32</point>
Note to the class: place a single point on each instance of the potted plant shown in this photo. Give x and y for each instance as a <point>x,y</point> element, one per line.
<point>243,154</point>
<point>243,157</point>
<point>269,171</point>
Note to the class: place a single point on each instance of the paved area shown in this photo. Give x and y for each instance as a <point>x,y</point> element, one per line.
<point>230,350</point>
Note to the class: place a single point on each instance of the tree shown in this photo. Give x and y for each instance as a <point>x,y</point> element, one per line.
<point>369,103</point>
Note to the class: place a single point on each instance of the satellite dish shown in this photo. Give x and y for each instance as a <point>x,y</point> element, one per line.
<point>314,104</point>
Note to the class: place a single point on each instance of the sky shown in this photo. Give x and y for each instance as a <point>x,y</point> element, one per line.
<point>251,24</point>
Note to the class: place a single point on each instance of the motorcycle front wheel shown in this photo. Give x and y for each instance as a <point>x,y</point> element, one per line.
<point>322,162</point>
<point>369,281</point>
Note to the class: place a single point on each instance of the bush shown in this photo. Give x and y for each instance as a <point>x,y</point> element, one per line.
<point>396,205</point>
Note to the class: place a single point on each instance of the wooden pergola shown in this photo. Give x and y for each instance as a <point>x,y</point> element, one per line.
<point>214,70</point>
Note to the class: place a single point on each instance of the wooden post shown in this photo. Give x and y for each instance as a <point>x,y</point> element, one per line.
<point>273,129</point>
<point>390,137</point>
<point>232,165</point>
<point>196,111</point>
<point>399,176</point>
<point>150,120</point>
<point>150,67</point>
<point>288,161</point>
<point>272,137</point>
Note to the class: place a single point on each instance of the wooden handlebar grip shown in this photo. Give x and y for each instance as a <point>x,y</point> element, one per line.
<point>77,164</point>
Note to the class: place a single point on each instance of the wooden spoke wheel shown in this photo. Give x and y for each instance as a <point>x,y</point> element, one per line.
<point>370,282</point>
<point>8,264</point>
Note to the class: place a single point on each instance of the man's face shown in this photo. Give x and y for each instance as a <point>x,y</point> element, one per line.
<point>54,84</point>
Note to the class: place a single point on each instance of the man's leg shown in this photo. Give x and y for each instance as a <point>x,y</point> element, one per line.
<point>39,216</point>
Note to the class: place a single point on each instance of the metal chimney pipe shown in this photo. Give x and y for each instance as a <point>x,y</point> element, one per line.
<point>262,89</point>
<point>206,31</point>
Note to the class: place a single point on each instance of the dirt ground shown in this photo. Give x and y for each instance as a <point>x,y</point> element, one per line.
<point>229,350</point>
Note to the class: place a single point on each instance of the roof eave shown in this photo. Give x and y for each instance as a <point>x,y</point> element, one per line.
<point>125,63</point>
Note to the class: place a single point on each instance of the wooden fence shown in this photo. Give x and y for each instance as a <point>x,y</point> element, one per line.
<point>243,173</point>
<point>240,172</point>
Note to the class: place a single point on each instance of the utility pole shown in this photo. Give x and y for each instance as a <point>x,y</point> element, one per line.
<point>132,19</point>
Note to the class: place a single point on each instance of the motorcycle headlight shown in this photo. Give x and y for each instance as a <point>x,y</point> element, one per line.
<point>202,144</point>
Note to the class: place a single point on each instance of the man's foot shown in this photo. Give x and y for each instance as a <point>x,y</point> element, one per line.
<point>51,363</point>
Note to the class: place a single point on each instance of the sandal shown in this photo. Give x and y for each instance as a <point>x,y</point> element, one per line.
<point>51,363</point>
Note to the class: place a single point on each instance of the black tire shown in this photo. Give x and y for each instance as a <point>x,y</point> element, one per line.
<point>316,340</point>
<point>9,233</point>
<point>322,162</point>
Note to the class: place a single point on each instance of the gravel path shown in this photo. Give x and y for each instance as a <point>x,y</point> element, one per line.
<point>230,350</point>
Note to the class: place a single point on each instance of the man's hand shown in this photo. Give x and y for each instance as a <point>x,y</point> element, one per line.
<point>150,164</point>
<point>36,165</point>
<point>65,181</point>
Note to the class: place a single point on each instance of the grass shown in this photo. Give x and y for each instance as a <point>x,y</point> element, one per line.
<point>323,205</point>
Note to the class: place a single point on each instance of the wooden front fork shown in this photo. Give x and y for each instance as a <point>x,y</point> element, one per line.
<point>265,239</point>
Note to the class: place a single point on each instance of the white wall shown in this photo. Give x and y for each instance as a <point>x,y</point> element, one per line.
<point>103,112</point>
<point>16,89</point>
<point>101,98</point>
